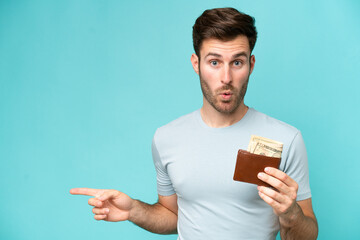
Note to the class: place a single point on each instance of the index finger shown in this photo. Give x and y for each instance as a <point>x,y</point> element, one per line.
<point>280,175</point>
<point>85,191</point>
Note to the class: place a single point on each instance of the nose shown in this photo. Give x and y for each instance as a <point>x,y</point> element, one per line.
<point>226,76</point>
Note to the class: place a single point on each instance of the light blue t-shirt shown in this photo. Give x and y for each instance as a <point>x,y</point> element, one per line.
<point>197,163</point>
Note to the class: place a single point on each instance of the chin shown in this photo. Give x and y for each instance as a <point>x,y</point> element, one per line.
<point>226,109</point>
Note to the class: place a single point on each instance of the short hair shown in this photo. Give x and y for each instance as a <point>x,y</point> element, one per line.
<point>224,24</point>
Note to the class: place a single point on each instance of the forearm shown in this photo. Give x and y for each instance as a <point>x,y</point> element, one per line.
<point>154,218</point>
<point>298,226</point>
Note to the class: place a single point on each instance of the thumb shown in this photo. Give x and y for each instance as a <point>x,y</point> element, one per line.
<point>109,194</point>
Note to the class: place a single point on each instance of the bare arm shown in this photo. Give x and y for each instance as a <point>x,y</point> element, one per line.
<point>302,224</point>
<point>158,218</point>
<point>114,206</point>
<point>297,219</point>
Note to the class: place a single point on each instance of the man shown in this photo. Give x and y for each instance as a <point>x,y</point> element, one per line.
<point>195,155</point>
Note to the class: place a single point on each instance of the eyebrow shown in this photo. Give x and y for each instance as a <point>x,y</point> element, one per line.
<point>240,54</point>
<point>236,55</point>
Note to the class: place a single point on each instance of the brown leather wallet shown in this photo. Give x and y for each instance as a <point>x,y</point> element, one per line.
<point>248,165</point>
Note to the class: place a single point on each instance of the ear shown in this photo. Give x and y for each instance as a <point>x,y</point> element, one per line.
<point>195,62</point>
<point>252,63</point>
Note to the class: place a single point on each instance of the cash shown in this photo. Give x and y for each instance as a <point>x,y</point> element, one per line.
<point>264,146</point>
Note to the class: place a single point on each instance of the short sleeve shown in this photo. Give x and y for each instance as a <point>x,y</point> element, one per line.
<point>164,184</point>
<point>297,166</point>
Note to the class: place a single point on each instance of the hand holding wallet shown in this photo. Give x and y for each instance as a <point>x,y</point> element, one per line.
<point>262,152</point>
<point>248,165</point>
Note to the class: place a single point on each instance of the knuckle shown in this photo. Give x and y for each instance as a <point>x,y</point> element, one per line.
<point>271,201</point>
<point>294,189</point>
<point>272,193</point>
<point>107,193</point>
<point>283,177</point>
<point>115,192</point>
<point>283,209</point>
<point>279,185</point>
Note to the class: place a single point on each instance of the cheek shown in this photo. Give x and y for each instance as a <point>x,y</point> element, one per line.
<point>241,76</point>
<point>209,74</point>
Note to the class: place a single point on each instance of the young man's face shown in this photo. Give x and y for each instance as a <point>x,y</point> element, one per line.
<point>224,69</point>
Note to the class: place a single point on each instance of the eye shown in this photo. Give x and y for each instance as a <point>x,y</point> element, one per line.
<point>237,63</point>
<point>214,63</point>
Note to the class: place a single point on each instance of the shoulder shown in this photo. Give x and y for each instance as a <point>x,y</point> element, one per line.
<point>266,121</point>
<point>177,126</point>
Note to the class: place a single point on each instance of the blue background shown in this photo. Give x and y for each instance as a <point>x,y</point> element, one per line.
<point>85,84</point>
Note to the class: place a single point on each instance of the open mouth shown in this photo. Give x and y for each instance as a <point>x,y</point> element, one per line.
<point>226,95</point>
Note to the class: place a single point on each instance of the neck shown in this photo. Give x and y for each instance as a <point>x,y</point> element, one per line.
<point>216,119</point>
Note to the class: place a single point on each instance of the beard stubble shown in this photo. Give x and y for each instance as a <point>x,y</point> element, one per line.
<point>224,106</point>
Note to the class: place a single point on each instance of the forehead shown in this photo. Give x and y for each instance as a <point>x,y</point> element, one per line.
<point>224,48</point>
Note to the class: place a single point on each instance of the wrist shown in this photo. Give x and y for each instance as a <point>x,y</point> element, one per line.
<point>132,210</point>
<point>291,218</point>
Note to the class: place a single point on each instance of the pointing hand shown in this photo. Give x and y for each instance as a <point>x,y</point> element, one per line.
<point>109,205</point>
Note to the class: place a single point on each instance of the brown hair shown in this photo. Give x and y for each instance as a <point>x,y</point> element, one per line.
<point>223,24</point>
